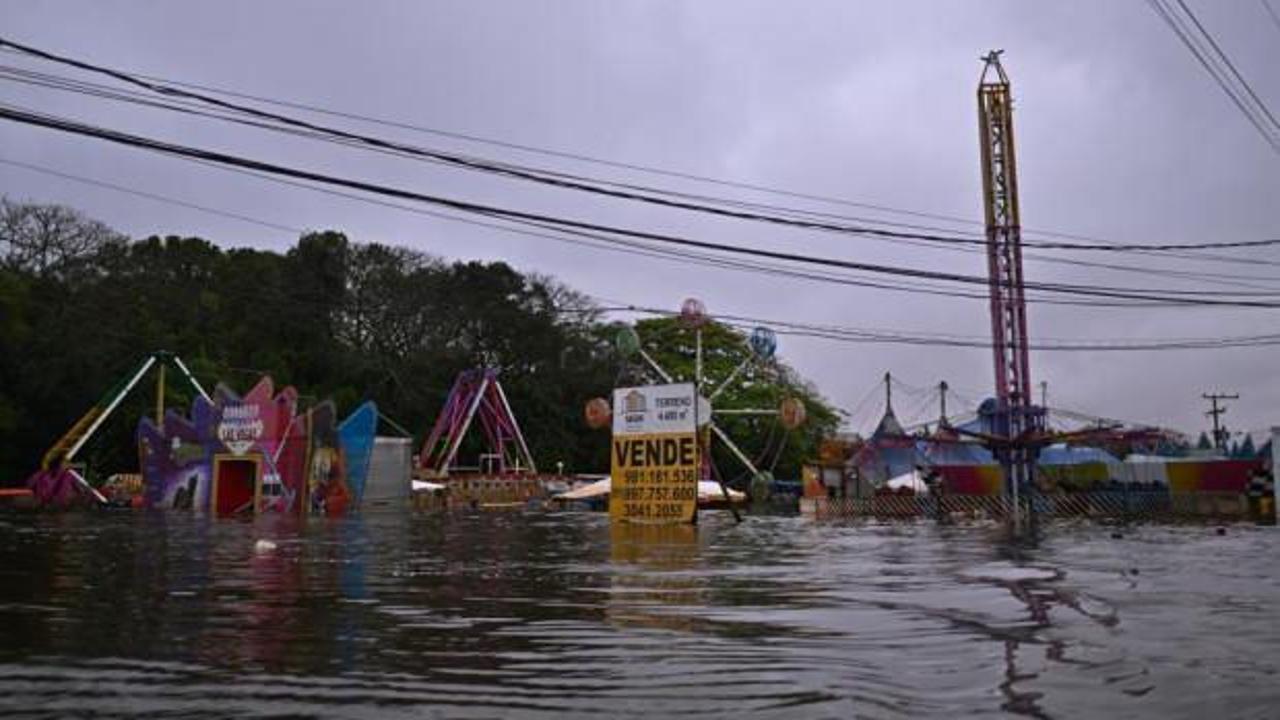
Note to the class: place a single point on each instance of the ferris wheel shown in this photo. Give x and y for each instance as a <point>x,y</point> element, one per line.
<point>757,351</point>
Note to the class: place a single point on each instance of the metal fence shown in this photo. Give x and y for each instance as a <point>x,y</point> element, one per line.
<point>1108,504</point>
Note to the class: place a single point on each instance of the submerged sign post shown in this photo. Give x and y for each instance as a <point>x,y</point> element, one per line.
<point>655,454</point>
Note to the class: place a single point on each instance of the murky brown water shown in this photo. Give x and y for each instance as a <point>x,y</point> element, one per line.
<point>501,615</point>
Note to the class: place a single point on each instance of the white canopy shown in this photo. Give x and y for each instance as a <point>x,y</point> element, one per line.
<point>708,491</point>
<point>596,489</point>
<point>424,486</point>
<point>911,480</point>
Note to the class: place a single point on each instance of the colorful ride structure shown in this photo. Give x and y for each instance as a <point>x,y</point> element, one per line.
<point>257,453</point>
<point>235,454</point>
<point>476,394</point>
<point>1018,424</point>
<point>504,472</point>
<point>1089,466</point>
<point>60,481</point>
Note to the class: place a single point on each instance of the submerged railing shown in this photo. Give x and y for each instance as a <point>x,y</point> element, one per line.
<point>1104,504</point>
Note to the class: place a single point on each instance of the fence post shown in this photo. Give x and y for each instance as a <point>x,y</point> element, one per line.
<point>1275,491</point>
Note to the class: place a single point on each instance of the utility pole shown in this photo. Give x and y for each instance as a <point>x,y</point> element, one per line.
<point>1219,432</point>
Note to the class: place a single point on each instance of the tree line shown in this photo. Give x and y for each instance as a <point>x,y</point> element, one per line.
<point>81,305</point>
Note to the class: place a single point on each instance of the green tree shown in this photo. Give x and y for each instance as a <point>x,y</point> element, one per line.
<point>1247,450</point>
<point>15,332</point>
<point>80,306</point>
<point>48,240</point>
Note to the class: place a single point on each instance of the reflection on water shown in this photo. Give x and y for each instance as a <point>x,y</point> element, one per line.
<point>653,576</point>
<point>492,614</point>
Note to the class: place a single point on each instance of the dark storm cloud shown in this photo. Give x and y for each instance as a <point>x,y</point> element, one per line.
<point>1120,135</point>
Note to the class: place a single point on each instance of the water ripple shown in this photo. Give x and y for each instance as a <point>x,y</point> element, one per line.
<point>558,614</point>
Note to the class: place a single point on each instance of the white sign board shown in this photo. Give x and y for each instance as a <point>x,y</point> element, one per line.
<point>654,466</point>
<point>656,409</point>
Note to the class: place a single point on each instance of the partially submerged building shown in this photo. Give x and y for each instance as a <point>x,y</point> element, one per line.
<point>257,453</point>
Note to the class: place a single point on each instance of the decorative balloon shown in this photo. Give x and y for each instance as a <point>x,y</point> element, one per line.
<point>693,313</point>
<point>764,343</point>
<point>791,413</point>
<point>627,341</point>
<point>598,413</point>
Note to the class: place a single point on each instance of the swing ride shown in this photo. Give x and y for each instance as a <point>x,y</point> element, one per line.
<point>504,474</point>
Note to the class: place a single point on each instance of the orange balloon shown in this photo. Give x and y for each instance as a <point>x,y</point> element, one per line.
<point>791,413</point>
<point>598,413</point>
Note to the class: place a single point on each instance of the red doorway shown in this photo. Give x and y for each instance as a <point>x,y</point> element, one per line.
<point>235,484</point>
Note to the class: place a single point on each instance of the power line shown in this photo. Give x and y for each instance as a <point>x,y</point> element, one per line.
<point>103,91</point>
<point>59,82</point>
<point>833,332</point>
<point>614,244</point>
<point>874,336</point>
<point>553,178</point>
<point>1202,47</point>
<point>650,195</point>
<point>1275,19</point>
<point>148,195</point>
<point>582,239</point>
<point>1230,65</point>
<point>1190,298</point>
<point>581,157</point>
<point>623,165</point>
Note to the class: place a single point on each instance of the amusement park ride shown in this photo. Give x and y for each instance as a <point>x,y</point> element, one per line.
<point>1017,422</point>
<point>476,394</point>
<point>1019,429</point>
<point>506,472</point>
<point>60,458</point>
<point>759,349</point>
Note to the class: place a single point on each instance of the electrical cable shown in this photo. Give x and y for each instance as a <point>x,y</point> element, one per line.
<point>149,195</point>
<point>863,335</point>
<point>573,182</point>
<point>1213,65</point>
<point>1257,101</point>
<point>101,90</point>
<point>580,157</point>
<point>1271,12</point>
<point>1190,298</point>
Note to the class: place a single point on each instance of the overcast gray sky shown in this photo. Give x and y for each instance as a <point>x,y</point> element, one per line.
<point>1120,135</point>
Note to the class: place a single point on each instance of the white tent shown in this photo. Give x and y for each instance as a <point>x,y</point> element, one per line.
<point>709,491</point>
<point>599,488</point>
<point>911,480</point>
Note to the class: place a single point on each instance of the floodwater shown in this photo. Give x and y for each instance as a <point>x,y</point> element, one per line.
<point>393,614</point>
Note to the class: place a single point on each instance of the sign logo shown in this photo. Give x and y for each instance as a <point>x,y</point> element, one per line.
<point>241,427</point>
<point>634,402</point>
